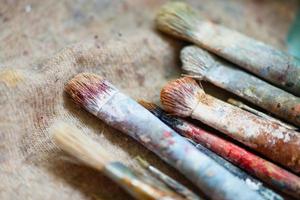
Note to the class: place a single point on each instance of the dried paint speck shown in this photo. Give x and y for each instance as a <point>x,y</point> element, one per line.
<point>11,77</point>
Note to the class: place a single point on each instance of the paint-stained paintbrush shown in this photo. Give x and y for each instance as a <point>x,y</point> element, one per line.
<point>180,20</point>
<point>266,171</point>
<point>251,182</point>
<point>102,99</point>
<point>184,97</point>
<point>170,182</point>
<point>71,140</point>
<point>259,113</point>
<point>205,66</point>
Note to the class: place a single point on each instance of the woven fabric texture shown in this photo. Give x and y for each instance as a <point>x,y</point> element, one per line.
<point>45,43</point>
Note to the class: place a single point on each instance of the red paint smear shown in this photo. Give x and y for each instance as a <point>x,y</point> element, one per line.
<point>246,160</point>
<point>92,90</point>
<point>167,134</point>
<point>171,142</point>
<point>187,149</point>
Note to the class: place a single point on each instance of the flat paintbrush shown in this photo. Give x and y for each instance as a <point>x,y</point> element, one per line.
<point>203,65</point>
<point>71,140</point>
<point>279,178</point>
<point>102,99</point>
<point>275,66</point>
<point>184,97</point>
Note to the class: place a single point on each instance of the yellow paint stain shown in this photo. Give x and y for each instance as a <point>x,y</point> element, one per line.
<point>11,77</point>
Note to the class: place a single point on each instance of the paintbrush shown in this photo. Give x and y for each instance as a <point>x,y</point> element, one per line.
<point>184,97</point>
<point>106,102</point>
<point>180,20</point>
<point>258,113</point>
<point>167,180</point>
<point>71,140</point>
<point>252,183</point>
<point>205,66</point>
<point>266,171</point>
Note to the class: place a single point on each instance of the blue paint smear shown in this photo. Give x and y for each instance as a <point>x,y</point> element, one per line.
<point>293,37</point>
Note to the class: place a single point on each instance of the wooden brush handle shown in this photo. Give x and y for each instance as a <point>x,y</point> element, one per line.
<point>275,142</point>
<point>135,186</point>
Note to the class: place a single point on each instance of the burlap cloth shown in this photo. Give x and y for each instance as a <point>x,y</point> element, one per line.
<point>45,43</point>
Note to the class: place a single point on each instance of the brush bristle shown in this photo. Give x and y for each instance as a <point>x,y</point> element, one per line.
<point>148,105</point>
<point>181,96</point>
<point>71,140</point>
<point>152,107</point>
<point>90,91</point>
<point>195,61</point>
<point>178,19</point>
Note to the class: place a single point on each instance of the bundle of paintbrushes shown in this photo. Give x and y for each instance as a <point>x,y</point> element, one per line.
<point>275,66</point>
<point>272,138</point>
<point>222,168</point>
<point>106,102</point>
<point>204,66</point>
<point>251,163</point>
<point>185,98</point>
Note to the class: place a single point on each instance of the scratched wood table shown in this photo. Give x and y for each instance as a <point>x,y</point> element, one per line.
<point>45,43</point>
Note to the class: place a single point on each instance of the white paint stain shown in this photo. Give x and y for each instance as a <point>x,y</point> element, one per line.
<point>280,133</point>
<point>252,185</point>
<point>287,138</point>
<point>28,8</point>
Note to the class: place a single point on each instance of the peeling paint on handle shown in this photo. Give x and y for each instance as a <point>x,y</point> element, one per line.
<point>258,92</point>
<point>278,143</point>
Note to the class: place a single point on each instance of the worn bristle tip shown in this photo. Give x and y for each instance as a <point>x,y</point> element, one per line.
<point>181,96</point>
<point>74,142</point>
<point>89,90</point>
<point>177,18</point>
<point>195,61</point>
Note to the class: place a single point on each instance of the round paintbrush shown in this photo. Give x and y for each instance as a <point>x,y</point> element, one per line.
<point>102,99</point>
<point>71,140</point>
<point>204,66</point>
<point>184,97</point>
<point>180,20</point>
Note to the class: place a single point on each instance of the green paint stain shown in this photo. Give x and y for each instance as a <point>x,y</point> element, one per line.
<point>293,37</point>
